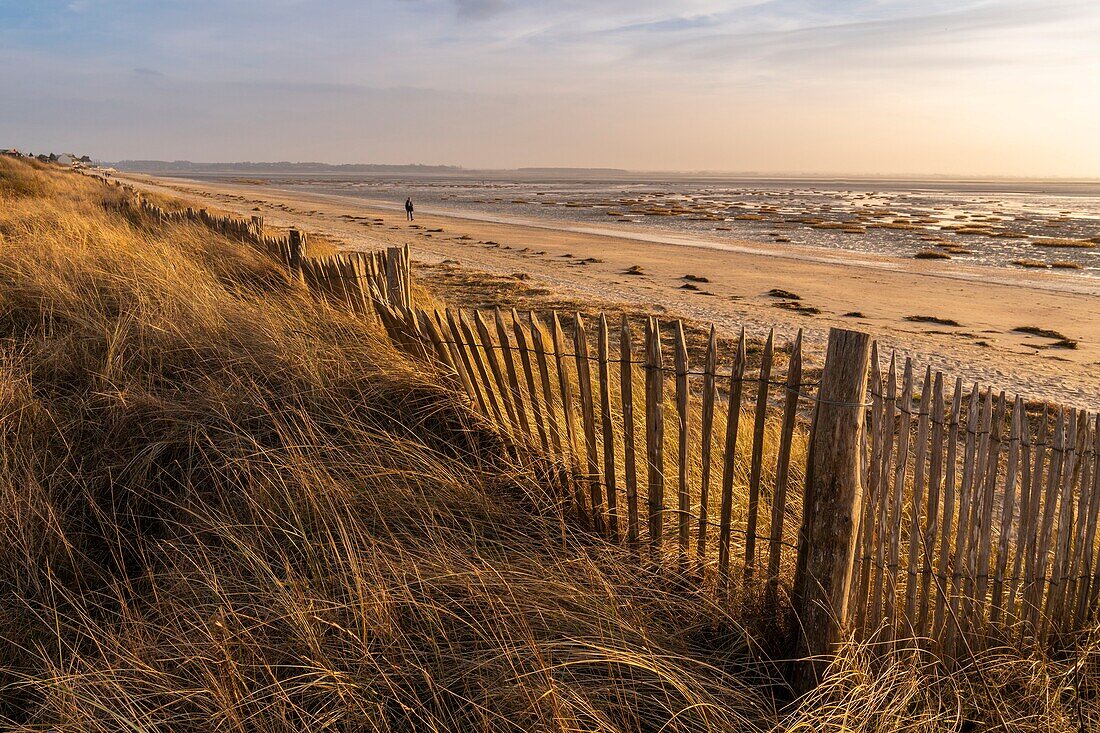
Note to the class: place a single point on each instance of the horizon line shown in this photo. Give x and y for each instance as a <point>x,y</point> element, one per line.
<point>780,174</point>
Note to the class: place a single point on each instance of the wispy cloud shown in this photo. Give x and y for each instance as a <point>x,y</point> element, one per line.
<point>617,82</point>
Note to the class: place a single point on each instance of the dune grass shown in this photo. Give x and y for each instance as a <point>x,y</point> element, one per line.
<point>225,505</point>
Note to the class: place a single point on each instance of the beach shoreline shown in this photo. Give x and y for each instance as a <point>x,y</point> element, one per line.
<point>735,283</point>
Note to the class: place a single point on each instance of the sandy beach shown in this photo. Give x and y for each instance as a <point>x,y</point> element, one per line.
<point>908,305</point>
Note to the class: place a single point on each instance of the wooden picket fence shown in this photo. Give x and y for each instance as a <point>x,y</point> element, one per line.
<point>358,280</point>
<point>969,519</point>
<point>977,521</point>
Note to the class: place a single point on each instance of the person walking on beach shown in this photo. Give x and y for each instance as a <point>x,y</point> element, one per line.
<point>409,209</point>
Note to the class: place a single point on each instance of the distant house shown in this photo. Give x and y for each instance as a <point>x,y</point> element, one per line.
<point>64,159</point>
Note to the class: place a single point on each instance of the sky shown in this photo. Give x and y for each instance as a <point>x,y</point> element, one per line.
<point>861,87</point>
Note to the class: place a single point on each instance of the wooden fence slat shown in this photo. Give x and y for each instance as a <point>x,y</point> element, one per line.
<point>1074,556</point>
<point>461,348</point>
<point>334,282</point>
<point>350,281</point>
<point>1008,506</point>
<point>757,460</point>
<point>655,432</point>
<point>707,428</point>
<point>460,360</point>
<point>1032,528</point>
<point>419,345</point>
<point>388,313</point>
<point>396,279</point>
<point>478,353</point>
<point>782,468</point>
<point>985,526</point>
<point>489,353</point>
<point>1052,492</point>
<point>905,408</point>
<point>932,509</point>
<point>869,523</point>
<point>941,625</point>
<point>626,386</point>
<point>1064,530</point>
<point>541,347</point>
<point>441,353</point>
<point>1064,534</point>
<point>885,475</point>
<point>362,281</point>
<point>568,414</point>
<point>608,433</point>
<point>974,519</point>
<point>733,418</point>
<point>511,387</point>
<point>1088,595</point>
<point>916,536</point>
<point>1040,477</point>
<point>308,272</point>
<point>962,526</point>
<point>524,349</point>
<point>1085,600</point>
<point>1024,524</point>
<point>683,503</point>
<point>406,275</point>
<point>588,415</point>
<point>347,281</point>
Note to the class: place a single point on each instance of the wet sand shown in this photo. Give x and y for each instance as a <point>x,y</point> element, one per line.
<point>868,292</point>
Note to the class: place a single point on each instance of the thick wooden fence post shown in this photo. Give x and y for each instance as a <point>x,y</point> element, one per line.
<point>297,244</point>
<point>397,276</point>
<point>827,541</point>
